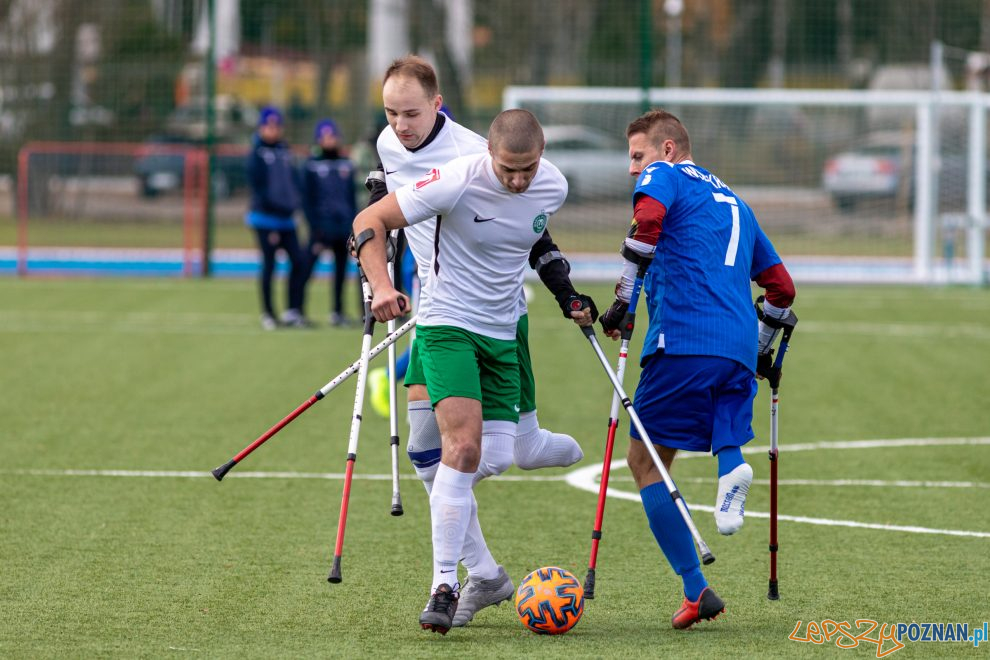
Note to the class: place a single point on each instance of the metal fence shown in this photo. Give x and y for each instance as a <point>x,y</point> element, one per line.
<point>140,72</point>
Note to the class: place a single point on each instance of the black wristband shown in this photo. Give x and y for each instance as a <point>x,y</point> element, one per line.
<point>555,276</point>
<point>361,239</point>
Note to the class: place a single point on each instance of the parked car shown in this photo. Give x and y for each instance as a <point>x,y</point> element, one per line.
<point>595,164</point>
<point>161,166</point>
<point>871,170</point>
<point>883,168</point>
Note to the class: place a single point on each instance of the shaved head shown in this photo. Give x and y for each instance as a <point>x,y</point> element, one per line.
<point>515,142</point>
<point>516,131</point>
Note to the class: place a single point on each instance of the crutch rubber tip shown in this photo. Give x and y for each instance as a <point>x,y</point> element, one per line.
<point>397,508</point>
<point>221,471</point>
<point>707,558</point>
<point>589,584</point>
<point>772,592</point>
<point>335,576</point>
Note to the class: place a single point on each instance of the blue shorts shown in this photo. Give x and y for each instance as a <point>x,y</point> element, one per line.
<point>695,402</point>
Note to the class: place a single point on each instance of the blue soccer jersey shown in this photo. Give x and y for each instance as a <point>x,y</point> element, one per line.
<point>698,288</point>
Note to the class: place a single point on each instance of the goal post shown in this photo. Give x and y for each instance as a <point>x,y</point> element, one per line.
<point>916,160</point>
<point>95,197</point>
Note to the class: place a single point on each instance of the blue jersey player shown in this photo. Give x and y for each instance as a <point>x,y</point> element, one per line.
<point>704,246</point>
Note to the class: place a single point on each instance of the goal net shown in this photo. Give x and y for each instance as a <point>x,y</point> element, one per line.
<point>855,186</point>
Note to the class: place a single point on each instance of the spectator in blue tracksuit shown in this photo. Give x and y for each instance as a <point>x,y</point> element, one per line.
<point>274,200</point>
<point>329,202</point>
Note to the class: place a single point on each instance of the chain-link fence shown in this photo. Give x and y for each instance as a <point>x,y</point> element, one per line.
<point>137,72</point>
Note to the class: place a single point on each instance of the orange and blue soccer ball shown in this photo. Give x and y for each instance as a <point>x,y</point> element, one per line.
<point>550,601</point>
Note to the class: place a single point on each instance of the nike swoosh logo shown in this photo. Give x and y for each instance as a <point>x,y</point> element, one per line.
<point>392,172</point>
<point>477,219</point>
<point>450,571</point>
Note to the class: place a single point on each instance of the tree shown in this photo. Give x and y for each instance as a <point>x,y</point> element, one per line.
<point>140,64</point>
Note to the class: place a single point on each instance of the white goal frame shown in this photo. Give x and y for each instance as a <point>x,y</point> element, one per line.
<point>926,106</point>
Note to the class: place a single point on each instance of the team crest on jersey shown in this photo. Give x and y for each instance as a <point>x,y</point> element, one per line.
<point>540,223</point>
<point>433,175</point>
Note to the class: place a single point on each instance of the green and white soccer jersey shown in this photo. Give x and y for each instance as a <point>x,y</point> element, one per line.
<point>403,167</point>
<point>483,239</point>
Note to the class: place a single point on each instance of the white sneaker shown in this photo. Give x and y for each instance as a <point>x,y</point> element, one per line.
<point>479,594</point>
<point>294,318</point>
<point>730,505</point>
<point>268,323</point>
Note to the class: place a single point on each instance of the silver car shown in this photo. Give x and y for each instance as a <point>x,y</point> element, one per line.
<point>595,164</point>
<point>882,168</point>
<point>872,170</point>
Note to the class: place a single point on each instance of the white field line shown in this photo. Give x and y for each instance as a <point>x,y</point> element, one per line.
<point>192,474</point>
<point>853,444</point>
<point>13,320</point>
<point>836,483</point>
<point>587,479</point>
<point>616,465</point>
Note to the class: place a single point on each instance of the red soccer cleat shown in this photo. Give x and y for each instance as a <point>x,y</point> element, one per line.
<point>708,606</point>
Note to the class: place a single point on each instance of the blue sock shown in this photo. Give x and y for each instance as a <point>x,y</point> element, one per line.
<point>674,538</point>
<point>729,458</point>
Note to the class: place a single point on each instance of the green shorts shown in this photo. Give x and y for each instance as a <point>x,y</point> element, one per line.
<point>414,370</point>
<point>461,363</point>
<point>527,384</point>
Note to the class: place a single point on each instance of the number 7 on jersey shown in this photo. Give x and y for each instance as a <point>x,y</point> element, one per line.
<point>730,252</point>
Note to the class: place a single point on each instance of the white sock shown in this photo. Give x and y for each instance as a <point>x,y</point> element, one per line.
<point>477,557</point>
<point>450,511</point>
<point>497,440</point>
<point>730,505</point>
<point>538,448</point>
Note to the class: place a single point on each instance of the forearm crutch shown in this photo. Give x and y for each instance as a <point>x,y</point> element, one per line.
<point>393,414</point>
<point>352,443</point>
<point>773,377</point>
<point>706,554</point>
<point>626,330</point>
<point>389,340</point>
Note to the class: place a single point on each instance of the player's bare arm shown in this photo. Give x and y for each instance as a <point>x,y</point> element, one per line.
<point>379,219</point>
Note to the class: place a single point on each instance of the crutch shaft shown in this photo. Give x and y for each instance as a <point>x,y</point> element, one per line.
<point>706,554</point>
<point>390,339</point>
<point>613,424</point>
<point>352,443</point>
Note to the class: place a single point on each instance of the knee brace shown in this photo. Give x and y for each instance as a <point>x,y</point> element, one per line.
<point>423,447</point>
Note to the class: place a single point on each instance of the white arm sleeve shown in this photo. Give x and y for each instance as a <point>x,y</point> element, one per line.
<point>767,334</point>
<point>624,287</point>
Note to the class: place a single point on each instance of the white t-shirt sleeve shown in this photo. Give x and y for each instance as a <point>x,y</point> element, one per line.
<point>434,194</point>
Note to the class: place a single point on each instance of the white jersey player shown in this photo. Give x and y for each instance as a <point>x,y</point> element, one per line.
<point>418,139</point>
<point>490,210</point>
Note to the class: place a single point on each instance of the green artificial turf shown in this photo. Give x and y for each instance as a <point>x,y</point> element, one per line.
<point>118,396</point>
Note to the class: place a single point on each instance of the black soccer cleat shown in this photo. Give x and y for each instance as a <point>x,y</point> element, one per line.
<point>439,613</point>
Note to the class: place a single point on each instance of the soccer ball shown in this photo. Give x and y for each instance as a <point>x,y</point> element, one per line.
<point>550,601</point>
